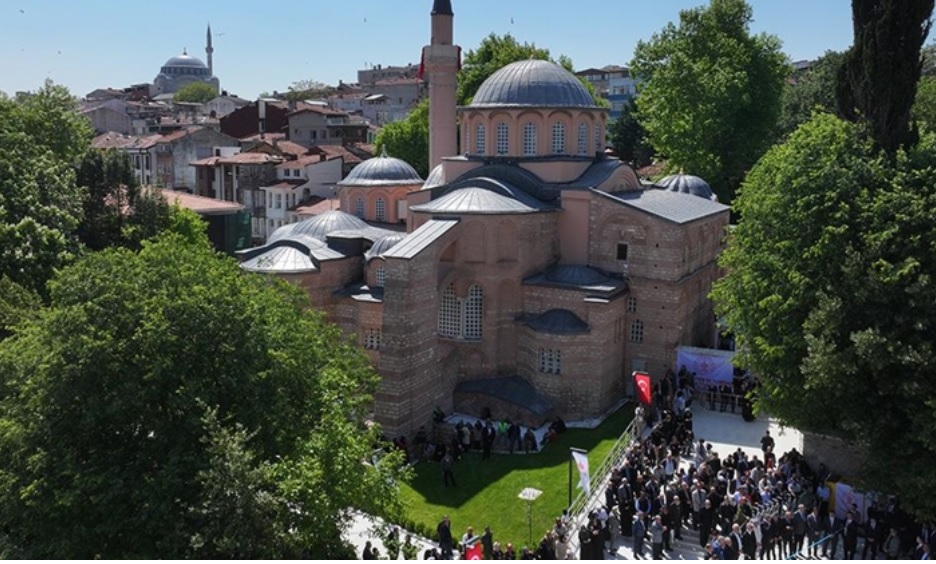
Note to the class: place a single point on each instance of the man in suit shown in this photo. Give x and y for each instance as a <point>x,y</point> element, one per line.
<point>749,542</point>
<point>813,531</point>
<point>850,536</point>
<point>445,538</point>
<point>640,533</point>
<point>799,528</point>
<point>874,535</point>
<point>733,551</point>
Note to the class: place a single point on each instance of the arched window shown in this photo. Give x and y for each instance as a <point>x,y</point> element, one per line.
<point>503,138</point>
<point>599,140</point>
<point>449,313</point>
<point>474,312</point>
<point>637,331</point>
<point>480,147</point>
<point>529,139</point>
<point>359,207</point>
<point>550,361</point>
<point>380,210</point>
<point>380,276</point>
<point>558,138</point>
<point>631,304</point>
<point>583,139</point>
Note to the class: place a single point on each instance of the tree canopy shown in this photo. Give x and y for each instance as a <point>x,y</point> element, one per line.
<point>710,92</point>
<point>168,405</point>
<point>629,138</point>
<point>408,139</point>
<point>196,93</point>
<point>878,79</point>
<point>808,91</point>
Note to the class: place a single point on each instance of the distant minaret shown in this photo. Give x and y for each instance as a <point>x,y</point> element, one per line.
<point>209,50</point>
<point>441,59</point>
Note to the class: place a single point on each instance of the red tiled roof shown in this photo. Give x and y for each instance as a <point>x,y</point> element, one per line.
<point>302,108</point>
<point>176,135</point>
<point>200,204</point>
<point>287,184</point>
<point>260,137</point>
<point>307,160</point>
<point>113,140</point>
<point>240,159</point>
<point>291,148</point>
<point>315,205</point>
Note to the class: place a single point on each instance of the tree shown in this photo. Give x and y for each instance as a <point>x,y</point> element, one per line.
<point>710,94</point>
<point>808,91</point>
<point>307,89</point>
<point>877,82</point>
<point>195,93</point>
<point>924,105</point>
<point>828,293</point>
<point>169,405</point>
<point>41,138</point>
<point>629,138</point>
<point>408,139</point>
<point>17,304</point>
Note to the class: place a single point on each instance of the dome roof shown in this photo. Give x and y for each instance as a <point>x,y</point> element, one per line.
<point>320,226</point>
<point>688,184</point>
<point>382,171</point>
<point>436,178</point>
<point>533,83</point>
<point>383,245</point>
<point>185,60</point>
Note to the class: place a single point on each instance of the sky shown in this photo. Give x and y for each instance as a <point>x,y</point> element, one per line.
<point>266,46</point>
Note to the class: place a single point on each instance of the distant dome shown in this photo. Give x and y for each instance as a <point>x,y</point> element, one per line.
<point>382,171</point>
<point>185,60</point>
<point>383,245</point>
<point>533,83</point>
<point>320,226</point>
<point>687,184</point>
<point>436,178</point>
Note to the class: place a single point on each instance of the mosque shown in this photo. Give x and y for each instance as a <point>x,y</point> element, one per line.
<point>185,69</point>
<point>534,275</point>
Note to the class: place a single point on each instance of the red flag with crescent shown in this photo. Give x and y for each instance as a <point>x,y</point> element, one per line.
<point>643,386</point>
<point>473,552</point>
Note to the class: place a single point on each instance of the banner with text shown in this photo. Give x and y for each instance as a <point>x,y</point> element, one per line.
<point>581,462</point>
<point>709,365</point>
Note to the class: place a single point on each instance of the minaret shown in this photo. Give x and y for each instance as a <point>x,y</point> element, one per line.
<point>441,60</point>
<point>209,50</point>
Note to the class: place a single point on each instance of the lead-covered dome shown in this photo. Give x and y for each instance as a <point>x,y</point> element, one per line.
<point>320,226</point>
<point>382,171</point>
<point>533,83</point>
<point>687,184</point>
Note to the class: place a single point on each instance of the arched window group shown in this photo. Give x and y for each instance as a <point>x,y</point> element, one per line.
<point>462,318</point>
<point>583,139</point>
<point>480,147</point>
<point>529,139</point>
<point>380,210</point>
<point>503,138</point>
<point>558,138</point>
<point>359,207</point>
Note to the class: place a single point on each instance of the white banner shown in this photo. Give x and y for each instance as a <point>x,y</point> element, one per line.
<point>709,365</point>
<point>581,461</point>
<point>845,498</point>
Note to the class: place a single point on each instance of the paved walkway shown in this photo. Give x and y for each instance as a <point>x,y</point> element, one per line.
<point>726,431</point>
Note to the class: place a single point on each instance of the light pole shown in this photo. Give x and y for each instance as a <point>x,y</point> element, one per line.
<point>530,495</point>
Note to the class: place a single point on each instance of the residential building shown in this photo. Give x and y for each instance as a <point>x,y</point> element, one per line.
<point>369,77</point>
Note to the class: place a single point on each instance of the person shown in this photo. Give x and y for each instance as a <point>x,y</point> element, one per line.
<point>562,547</point>
<point>892,545</point>
<point>467,540</point>
<point>585,548</point>
<point>657,530</point>
<point>614,529</point>
<point>448,474</point>
<point>799,528</point>
<point>509,552</point>
<point>497,553</point>
<point>767,443</point>
<point>850,536</point>
<point>749,542</point>
<point>488,434</point>
<point>874,535</point>
<point>676,517</point>
<point>487,543</point>
<point>733,551</point>
<point>368,553</point>
<point>813,532</point>
<point>410,550</point>
<point>640,421</point>
<point>529,440</point>
<point>640,532</point>
<point>445,538</point>
<point>706,521</point>
<point>513,436</point>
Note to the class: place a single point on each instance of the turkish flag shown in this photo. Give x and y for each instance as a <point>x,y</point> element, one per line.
<point>474,552</point>
<point>643,387</point>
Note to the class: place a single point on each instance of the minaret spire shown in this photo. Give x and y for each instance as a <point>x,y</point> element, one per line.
<point>209,50</point>
<point>441,61</point>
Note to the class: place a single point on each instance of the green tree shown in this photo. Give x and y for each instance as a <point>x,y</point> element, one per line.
<point>924,105</point>
<point>408,139</point>
<point>196,93</point>
<point>878,79</point>
<point>828,292</point>
<point>808,91</point>
<point>17,304</point>
<point>629,138</point>
<point>167,405</point>
<point>710,95</point>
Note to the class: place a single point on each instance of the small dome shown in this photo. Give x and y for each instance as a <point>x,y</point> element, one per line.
<point>687,184</point>
<point>533,83</point>
<point>383,245</point>
<point>320,226</point>
<point>436,178</point>
<point>382,171</point>
<point>185,60</point>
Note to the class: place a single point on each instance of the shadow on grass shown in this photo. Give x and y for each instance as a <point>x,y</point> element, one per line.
<point>487,489</point>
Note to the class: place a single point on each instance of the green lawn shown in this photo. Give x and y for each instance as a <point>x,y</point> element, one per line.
<point>487,489</point>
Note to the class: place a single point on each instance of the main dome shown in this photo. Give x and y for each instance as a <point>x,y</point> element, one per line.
<point>382,171</point>
<point>533,83</point>
<point>185,60</point>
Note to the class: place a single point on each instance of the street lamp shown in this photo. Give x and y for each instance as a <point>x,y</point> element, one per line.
<point>530,495</point>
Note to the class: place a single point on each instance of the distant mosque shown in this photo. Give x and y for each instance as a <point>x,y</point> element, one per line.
<point>185,69</point>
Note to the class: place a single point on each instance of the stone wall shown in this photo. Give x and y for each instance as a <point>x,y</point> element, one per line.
<point>840,457</point>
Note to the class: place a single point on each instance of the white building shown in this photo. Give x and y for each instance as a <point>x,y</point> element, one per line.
<point>308,178</point>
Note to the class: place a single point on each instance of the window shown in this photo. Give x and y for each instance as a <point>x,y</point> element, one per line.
<point>372,338</point>
<point>380,210</point>
<point>474,312</point>
<point>503,138</point>
<point>558,138</point>
<point>529,139</point>
<point>296,172</point>
<point>637,331</point>
<point>359,207</point>
<point>583,139</point>
<point>380,276</point>
<point>550,361</point>
<point>622,251</point>
<point>479,140</point>
<point>278,201</point>
<point>631,304</point>
<point>449,313</point>
<point>269,199</point>
<point>599,142</point>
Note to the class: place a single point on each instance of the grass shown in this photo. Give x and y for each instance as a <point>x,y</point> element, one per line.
<point>487,489</point>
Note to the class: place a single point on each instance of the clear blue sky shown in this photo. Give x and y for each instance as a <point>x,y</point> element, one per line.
<point>260,46</point>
